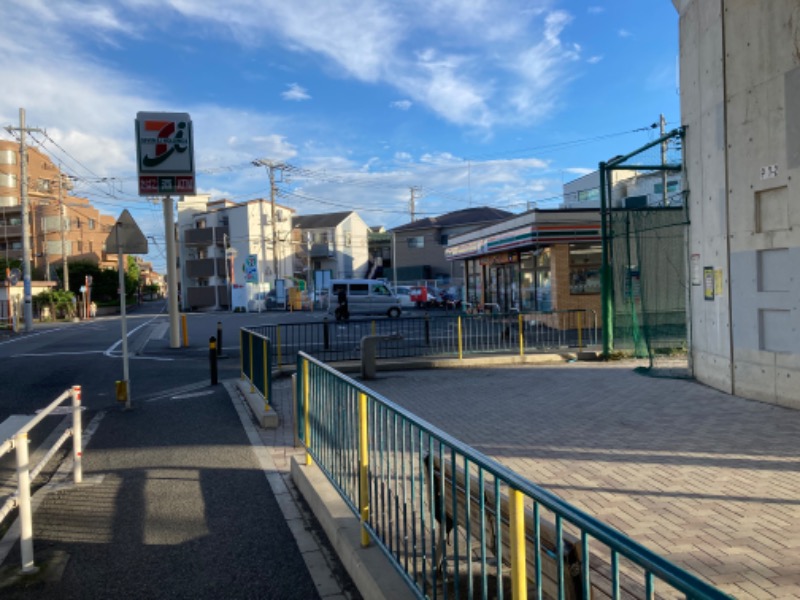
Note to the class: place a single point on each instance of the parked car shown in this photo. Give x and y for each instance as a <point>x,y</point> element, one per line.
<point>365,297</point>
<point>424,297</point>
<point>403,292</point>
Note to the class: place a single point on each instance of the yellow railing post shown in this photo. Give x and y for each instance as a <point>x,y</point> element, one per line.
<point>252,387</point>
<point>241,354</point>
<point>363,471</point>
<point>519,584</point>
<point>580,331</point>
<point>373,328</point>
<point>278,345</point>
<point>306,422</point>
<point>460,341</point>
<point>266,378</point>
<point>521,340</point>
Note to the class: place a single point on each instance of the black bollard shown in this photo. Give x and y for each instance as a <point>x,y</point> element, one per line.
<point>212,359</point>
<point>219,338</point>
<point>326,335</point>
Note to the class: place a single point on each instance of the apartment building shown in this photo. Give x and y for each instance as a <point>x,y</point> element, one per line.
<point>61,225</point>
<point>230,252</point>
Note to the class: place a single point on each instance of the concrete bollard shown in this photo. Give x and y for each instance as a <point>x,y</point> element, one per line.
<point>369,346</point>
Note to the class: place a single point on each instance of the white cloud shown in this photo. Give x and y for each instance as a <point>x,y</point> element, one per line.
<point>593,60</point>
<point>624,33</point>
<point>595,10</point>
<point>295,93</point>
<point>578,170</point>
<point>401,104</point>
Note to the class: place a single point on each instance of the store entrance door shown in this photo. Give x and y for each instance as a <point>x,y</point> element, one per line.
<point>507,293</point>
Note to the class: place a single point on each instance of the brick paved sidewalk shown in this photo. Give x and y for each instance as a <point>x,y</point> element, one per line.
<point>708,480</point>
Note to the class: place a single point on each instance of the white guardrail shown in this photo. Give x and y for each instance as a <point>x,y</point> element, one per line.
<point>19,442</point>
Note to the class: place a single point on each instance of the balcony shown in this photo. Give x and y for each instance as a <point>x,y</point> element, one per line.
<point>323,250</point>
<point>209,296</point>
<point>205,236</point>
<point>10,231</point>
<point>204,267</point>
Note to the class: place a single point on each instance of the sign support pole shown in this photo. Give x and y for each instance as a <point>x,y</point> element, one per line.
<point>172,275</point>
<point>125,371</point>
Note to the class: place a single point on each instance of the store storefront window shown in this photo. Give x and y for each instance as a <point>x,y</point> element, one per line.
<point>584,268</point>
<point>544,300</point>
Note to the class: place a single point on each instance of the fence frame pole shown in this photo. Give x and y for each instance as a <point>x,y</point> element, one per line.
<point>460,341</point>
<point>266,376</point>
<point>77,435</point>
<point>306,422</point>
<point>521,340</point>
<point>24,499</point>
<point>241,353</point>
<point>252,385</point>
<point>363,468</point>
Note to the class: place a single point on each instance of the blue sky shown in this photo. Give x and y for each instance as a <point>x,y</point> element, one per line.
<point>472,102</point>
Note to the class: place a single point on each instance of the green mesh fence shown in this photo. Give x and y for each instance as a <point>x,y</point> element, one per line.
<point>646,240</point>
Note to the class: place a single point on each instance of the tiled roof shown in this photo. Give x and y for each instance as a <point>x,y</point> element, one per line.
<point>319,221</point>
<point>458,218</point>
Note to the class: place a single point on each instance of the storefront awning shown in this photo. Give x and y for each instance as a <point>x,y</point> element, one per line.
<point>522,237</point>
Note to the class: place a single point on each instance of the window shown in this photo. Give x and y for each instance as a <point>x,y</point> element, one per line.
<point>416,242</point>
<point>443,239</point>
<point>672,187</point>
<point>43,185</point>
<point>584,268</point>
<point>8,157</point>
<point>348,239</point>
<point>359,289</point>
<point>8,180</point>
<point>592,195</point>
<point>92,223</point>
<point>77,222</point>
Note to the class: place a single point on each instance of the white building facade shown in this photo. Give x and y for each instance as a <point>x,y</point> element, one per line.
<point>232,253</point>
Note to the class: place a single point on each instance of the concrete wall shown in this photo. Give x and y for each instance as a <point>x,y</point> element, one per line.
<point>740,94</point>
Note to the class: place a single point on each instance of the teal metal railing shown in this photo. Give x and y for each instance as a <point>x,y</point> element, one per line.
<point>255,352</point>
<point>448,335</point>
<point>455,522</point>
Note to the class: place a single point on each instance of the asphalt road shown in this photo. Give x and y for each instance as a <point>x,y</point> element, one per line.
<point>182,508</point>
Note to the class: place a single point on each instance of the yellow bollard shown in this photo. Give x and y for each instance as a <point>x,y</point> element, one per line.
<point>373,328</point>
<point>306,423</point>
<point>184,331</point>
<point>121,389</point>
<point>521,340</point>
<point>519,584</point>
<point>363,472</point>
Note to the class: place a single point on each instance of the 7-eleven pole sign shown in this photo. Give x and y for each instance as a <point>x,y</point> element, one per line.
<point>165,154</point>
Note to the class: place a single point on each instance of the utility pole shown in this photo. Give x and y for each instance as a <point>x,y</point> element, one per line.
<point>271,167</point>
<point>664,198</point>
<point>63,216</point>
<point>413,204</point>
<point>26,217</point>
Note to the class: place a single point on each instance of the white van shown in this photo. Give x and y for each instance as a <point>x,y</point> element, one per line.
<point>364,297</point>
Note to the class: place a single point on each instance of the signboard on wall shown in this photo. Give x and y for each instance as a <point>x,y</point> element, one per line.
<point>708,283</point>
<point>251,268</point>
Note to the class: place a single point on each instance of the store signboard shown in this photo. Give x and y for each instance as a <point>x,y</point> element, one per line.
<point>165,154</point>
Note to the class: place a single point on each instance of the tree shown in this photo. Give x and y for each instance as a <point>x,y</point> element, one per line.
<point>60,303</point>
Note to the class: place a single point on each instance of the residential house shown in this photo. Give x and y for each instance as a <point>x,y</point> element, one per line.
<point>334,243</point>
<point>419,246</point>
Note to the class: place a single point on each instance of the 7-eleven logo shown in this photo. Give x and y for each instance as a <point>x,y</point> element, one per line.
<point>170,137</point>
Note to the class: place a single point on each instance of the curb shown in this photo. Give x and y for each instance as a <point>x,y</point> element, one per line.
<point>369,568</point>
<point>265,415</point>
